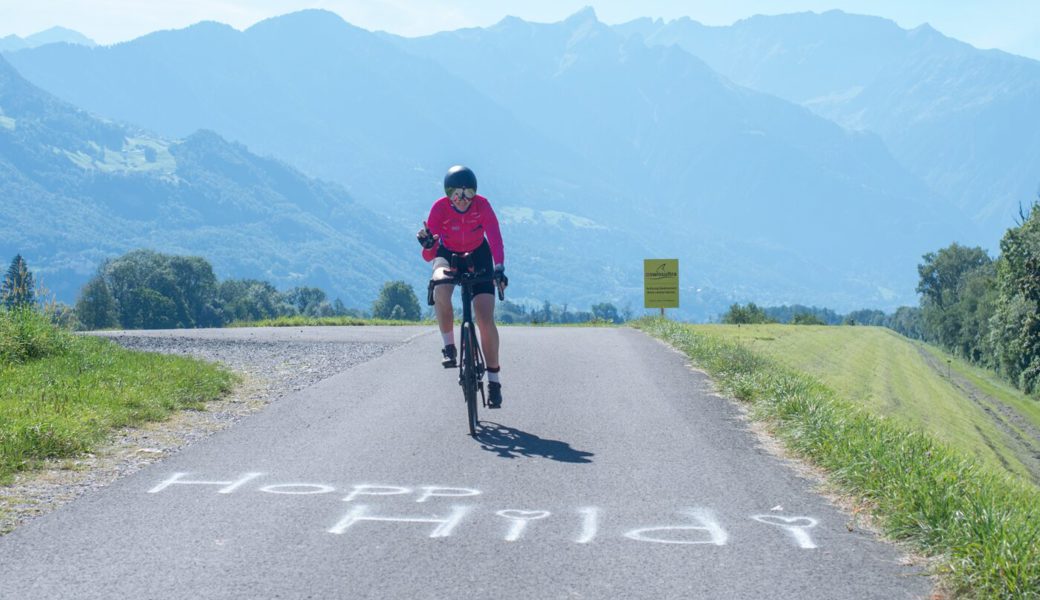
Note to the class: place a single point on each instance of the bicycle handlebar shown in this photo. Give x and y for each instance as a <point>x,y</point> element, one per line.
<point>460,277</point>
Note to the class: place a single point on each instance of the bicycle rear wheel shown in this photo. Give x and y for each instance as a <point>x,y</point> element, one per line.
<point>469,376</point>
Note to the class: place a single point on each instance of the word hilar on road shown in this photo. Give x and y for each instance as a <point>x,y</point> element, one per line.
<point>699,527</point>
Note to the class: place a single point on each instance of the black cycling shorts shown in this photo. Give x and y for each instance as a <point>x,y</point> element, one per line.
<point>481,259</point>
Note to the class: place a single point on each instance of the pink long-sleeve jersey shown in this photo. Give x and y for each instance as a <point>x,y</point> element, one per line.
<point>464,232</point>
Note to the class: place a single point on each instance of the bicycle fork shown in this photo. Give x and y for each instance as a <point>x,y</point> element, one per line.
<point>471,349</point>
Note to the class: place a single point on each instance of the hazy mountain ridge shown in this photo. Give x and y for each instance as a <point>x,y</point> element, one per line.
<point>54,35</point>
<point>761,199</point>
<point>79,189</point>
<point>330,85</point>
<point>692,131</point>
<point>952,114</point>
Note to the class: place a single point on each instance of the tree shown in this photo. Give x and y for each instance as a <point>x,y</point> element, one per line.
<point>307,300</point>
<point>908,321</point>
<point>976,303</point>
<point>806,319</point>
<point>151,310</point>
<point>163,290</point>
<point>739,315</point>
<point>340,310</point>
<point>786,314</point>
<point>195,289</point>
<point>96,307</point>
<point>865,316</point>
<point>950,307</point>
<point>606,312</point>
<point>251,300</point>
<point>18,288</point>
<point>1015,325</point>
<point>396,294</point>
<point>941,272</point>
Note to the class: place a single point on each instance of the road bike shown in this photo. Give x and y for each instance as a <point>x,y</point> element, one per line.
<point>471,359</point>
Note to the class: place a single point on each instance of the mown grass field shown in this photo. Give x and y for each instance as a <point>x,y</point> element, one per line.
<point>892,376</point>
<point>870,408</point>
<point>61,394</point>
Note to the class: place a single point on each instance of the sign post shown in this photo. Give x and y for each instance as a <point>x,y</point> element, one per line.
<point>661,283</point>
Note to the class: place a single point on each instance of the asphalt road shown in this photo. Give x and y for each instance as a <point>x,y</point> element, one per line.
<point>612,471</point>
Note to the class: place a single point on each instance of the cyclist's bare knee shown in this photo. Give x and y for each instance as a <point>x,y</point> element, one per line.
<point>440,269</point>
<point>442,294</point>
<point>484,310</point>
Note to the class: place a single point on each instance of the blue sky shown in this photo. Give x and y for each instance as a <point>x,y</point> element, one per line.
<point>1011,25</point>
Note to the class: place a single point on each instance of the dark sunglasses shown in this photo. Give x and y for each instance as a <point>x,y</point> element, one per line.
<point>459,193</point>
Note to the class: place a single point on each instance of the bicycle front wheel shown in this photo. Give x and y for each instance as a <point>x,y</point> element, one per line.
<point>469,376</point>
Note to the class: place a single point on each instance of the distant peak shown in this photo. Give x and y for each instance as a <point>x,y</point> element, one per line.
<point>310,17</point>
<point>924,29</point>
<point>510,21</point>
<point>314,14</point>
<point>584,15</point>
<point>57,35</point>
<point>210,25</point>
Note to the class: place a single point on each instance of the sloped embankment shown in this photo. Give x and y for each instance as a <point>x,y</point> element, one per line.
<point>981,524</point>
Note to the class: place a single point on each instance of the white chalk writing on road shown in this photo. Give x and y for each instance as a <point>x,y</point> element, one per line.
<point>695,526</point>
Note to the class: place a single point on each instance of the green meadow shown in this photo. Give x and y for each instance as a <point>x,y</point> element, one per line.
<point>875,368</point>
<point>61,394</point>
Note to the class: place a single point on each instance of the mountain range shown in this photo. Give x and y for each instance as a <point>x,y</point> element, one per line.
<point>955,116</point>
<point>54,35</point>
<point>78,189</point>
<point>600,146</point>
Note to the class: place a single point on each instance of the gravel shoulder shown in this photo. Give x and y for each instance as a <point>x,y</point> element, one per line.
<point>269,370</point>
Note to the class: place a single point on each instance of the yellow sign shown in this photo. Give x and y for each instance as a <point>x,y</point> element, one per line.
<point>661,283</point>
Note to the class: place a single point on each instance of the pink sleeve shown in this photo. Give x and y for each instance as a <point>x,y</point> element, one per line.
<point>433,224</point>
<point>494,235</point>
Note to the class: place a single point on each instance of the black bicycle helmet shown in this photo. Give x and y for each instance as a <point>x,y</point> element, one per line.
<point>459,177</point>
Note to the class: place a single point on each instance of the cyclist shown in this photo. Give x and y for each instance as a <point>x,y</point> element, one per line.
<point>463,221</point>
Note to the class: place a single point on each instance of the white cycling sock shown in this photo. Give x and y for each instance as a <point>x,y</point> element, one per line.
<point>493,375</point>
<point>449,338</point>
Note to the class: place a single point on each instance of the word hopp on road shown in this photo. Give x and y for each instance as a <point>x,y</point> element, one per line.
<point>697,525</point>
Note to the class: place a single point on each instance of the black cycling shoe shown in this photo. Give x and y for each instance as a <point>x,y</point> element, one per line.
<point>448,362</point>
<point>494,394</point>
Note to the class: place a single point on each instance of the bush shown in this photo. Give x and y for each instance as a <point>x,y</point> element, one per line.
<point>396,301</point>
<point>26,335</point>
<point>740,315</point>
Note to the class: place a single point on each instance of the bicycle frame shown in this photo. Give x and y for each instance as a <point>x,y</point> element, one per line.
<point>471,359</point>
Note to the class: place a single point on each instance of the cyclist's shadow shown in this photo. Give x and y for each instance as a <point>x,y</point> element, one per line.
<point>512,443</point>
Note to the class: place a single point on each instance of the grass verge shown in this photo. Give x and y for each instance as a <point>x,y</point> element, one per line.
<point>60,394</point>
<point>982,525</point>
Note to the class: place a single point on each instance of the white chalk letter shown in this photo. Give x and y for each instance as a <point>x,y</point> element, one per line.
<point>796,526</point>
<point>707,523</point>
<point>519,520</point>
<point>376,490</point>
<point>589,525</point>
<point>229,486</point>
<point>445,492</point>
<point>444,527</point>
<point>298,489</point>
